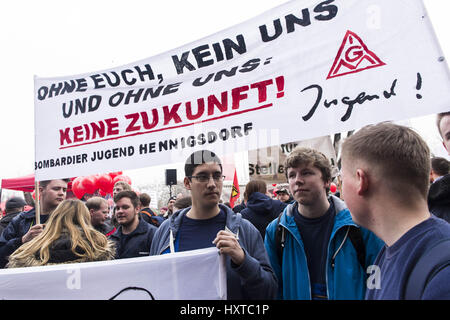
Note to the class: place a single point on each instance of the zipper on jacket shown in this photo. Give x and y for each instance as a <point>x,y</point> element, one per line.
<point>333,258</point>
<point>304,254</point>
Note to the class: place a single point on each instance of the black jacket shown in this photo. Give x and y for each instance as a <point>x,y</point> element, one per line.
<point>261,210</point>
<point>11,237</point>
<point>135,244</point>
<point>439,198</point>
<point>6,220</point>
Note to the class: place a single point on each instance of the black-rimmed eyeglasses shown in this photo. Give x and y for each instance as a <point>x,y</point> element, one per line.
<point>217,177</point>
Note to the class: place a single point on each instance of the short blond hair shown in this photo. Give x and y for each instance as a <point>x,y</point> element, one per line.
<point>396,152</point>
<point>124,185</point>
<point>95,203</point>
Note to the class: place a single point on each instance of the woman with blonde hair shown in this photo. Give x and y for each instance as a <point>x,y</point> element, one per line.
<point>68,237</point>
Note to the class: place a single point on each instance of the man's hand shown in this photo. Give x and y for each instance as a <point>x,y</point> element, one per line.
<point>227,243</point>
<point>33,232</point>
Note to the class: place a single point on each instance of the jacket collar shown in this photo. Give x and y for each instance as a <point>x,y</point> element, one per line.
<point>29,214</point>
<point>233,220</point>
<point>342,215</point>
<point>141,228</point>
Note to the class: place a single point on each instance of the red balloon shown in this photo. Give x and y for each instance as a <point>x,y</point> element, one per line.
<point>77,188</point>
<point>274,184</point>
<point>105,183</point>
<point>115,174</point>
<point>333,188</point>
<point>89,184</point>
<point>122,178</point>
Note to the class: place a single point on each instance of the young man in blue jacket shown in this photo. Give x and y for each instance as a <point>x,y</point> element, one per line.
<point>319,260</point>
<point>207,224</point>
<point>134,236</point>
<point>385,171</point>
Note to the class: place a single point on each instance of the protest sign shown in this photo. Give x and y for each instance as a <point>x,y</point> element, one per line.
<point>305,69</point>
<point>189,275</point>
<point>268,163</point>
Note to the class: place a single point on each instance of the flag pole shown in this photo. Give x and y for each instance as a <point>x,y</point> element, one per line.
<point>36,203</point>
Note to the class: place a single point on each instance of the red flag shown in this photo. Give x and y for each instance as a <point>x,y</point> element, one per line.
<point>235,193</point>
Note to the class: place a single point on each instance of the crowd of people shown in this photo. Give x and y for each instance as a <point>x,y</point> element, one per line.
<point>300,243</point>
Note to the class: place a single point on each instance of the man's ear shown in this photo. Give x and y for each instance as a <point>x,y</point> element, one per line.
<point>363,181</point>
<point>187,183</point>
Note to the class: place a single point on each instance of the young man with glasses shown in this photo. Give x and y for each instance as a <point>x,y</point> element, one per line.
<point>207,223</point>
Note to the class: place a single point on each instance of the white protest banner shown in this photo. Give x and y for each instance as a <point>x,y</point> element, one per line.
<point>268,163</point>
<point>304,69</point>
<point>189,275</point>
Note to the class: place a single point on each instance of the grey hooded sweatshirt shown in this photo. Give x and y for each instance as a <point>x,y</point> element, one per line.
<point>253,279</point>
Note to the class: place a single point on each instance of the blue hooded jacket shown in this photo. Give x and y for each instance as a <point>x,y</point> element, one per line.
<point>261,210</point>
<point>345,279</point>
<point>253,279</point>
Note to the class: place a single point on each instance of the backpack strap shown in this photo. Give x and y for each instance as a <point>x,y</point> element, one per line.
<point>356,238</point>
<point>280,239</point>
<point>147,212</point>
<point>428,265</point>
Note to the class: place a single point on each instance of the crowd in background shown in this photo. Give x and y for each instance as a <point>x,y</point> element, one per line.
<point>311,222</point>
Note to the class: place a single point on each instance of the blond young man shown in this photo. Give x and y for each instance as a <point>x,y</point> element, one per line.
<point>385,171</point>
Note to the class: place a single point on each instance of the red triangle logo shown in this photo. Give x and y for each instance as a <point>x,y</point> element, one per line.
<point>353,56</point>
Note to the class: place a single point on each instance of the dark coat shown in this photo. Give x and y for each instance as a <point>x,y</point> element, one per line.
<point>239,207</point>
<point>11,237</point>
<point>105,228</point>
<point>261,210</point>
<point>135,244</point>
<point>439,198</point>
<point>6,220</point>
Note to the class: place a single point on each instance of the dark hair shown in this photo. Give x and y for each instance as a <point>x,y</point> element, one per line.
<point>145,199</point>
<point>44,183</point>
<point>128,194</point>
<point>183,202</point>
<point>254,186</point>
<point>200,157</point>
<point>440,166</point>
